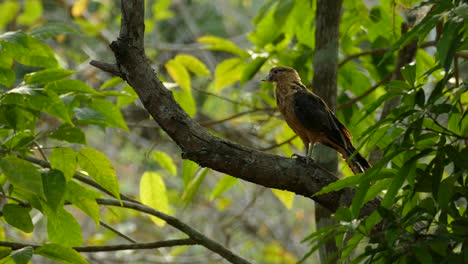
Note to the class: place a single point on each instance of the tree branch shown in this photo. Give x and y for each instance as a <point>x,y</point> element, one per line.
<point>196,236</point>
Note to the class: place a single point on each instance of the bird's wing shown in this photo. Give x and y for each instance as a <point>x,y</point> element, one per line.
<point>313,113</point>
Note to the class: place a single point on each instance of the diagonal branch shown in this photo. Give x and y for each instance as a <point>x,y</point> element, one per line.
<point>197,237</point>
<point>198,145</point>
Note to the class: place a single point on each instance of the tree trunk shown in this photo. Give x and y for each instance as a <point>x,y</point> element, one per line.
<point>327,22</point>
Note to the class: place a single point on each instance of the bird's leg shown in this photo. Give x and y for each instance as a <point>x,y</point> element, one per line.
<point>309,150</point>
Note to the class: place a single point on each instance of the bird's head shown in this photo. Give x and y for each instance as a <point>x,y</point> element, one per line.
<point>282,73</point>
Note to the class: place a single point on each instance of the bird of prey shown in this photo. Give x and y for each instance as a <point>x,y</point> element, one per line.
<point>311,118</point>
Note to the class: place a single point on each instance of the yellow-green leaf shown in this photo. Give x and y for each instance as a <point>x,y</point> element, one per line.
<point>287,198</point>
<point>224,184</point>
<point>186,101</point>
<point>179,74</point>
<point>64,160</point>
<point>153,193</point>
<point>165,161</point>
<point>220,44</point>
<point>193,64</point>
<point>228,72</point>
<point>61,253</point>
<point>99,167</point>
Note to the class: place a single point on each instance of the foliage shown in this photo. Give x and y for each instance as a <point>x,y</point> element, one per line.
<point>51,117</point>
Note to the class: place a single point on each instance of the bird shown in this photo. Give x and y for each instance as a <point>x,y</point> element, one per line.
<point>311,119</point>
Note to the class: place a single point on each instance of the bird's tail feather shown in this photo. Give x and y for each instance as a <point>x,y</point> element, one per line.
<point>356,161</point>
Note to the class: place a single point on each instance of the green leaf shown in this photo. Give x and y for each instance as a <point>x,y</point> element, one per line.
<point>228,72</point>
<point>66,86</point>
<point>55,186</point>
<point>165,161</point>
<point>193,64</point>
<point>4,252</point>
<point>70,134</point>
<point>220,44</point>
<point>47,75</point>
<point>111,83</point>
<point>8,11</point>
<point>340,184</point>
<point>22,174</point>
<point>396,184</point>
<point>22,256</point>
<point>83,198</point>
<point>409,73</point>
<point>286,198</point>
<point>56,107</point>
<point>186,101</point>
<point>153,193</point>
<point>224,184</point>
<point>111,113</point>
<point>62,227</point>
<point>28,50</point>
<point>7,76</point>
<point>252,68</point>
<point>447,45</point>
<point>127,96</point>
<point>179,74</point>
<point>32,11</point>
<point>64,160</point>
<point>192,187</point>
<point>52,29</point>
<point>446,192</point>
<point>282,12</point>
<point>61,253</point>
<point>188,171</point>
<point>18,216</point>
<point>98,167</point>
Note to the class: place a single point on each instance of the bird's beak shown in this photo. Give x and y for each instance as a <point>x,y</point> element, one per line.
<point>267,78</point>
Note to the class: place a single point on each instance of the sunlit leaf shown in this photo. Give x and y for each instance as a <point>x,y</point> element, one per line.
<point>224,184</point>
<point>153,193</point>
<point>8,11</point>
<point>228,72</point>
<point>179,74</point>
<point>22,174</point>
<point>220,44</point>
<point>79,7</point>
<point>99,167</point>
<point>111,113</point>
<point>165,161</point>
<point>83,198</point>
<point>193,64</point>
<point>32,11</point>
<point>186,101</point>
<point>286,198</point>
<point>60,253</point>
<point>47,75</point>
<point>62,227</point>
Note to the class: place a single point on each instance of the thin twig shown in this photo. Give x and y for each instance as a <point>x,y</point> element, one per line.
<point>107,67</point>
<point>214,122</point>
<point>279,144</point>
<point>366,93</point>
<point>150,245</point>
<point>379,51</point>
<point>120,234</point>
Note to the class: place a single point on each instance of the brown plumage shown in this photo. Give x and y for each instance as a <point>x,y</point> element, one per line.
<point>311,118</point>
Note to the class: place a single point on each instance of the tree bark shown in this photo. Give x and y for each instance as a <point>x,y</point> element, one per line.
<point>327,29</point>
